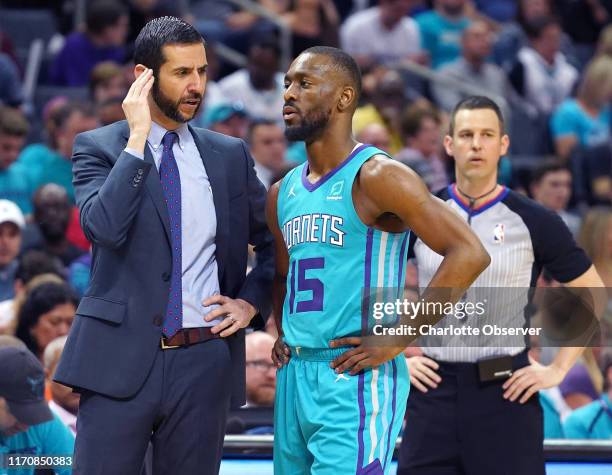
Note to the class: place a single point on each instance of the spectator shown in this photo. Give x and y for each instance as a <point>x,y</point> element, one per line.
<point>377,135</point>
<point>268,148</point>
<point>229,119</point>
<point>10,83</point>
<point>500,10</point>
<point>79,274</point>
<point>109,111</point>
<point>577,388</point>
<point>103,40</point>
<point>382,34</point>
<point>387,104</point>
<point>46,314</point>
<point>441,30</point>
<point>583,20</point>
<point>143,11</point>
<point>259,86</point>
<point>107,81</point>
<point>15,183</point>
<point>421,132</point>
<point>52,214</point>
<point>596,239</point>
<point>222,21</point>
<point>52,164</point>
<point>313,23</point>
<point>472,68</point>
<point>513,36</point>
<point>604,44</point>
<point>585,121</point>
<point>551,186</point>
<point>27,426</point>
<point>64,402</point>
<point>34,268</point>
<point>541,73</point>
<point>553,429</point>
<point>593,421</point>
<point>11,226</point>
<point>260,370</point>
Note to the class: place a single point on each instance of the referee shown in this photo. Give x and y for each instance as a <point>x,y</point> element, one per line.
<point>467,415</point>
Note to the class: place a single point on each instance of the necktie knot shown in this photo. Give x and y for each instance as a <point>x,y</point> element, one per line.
<point>169,139</point>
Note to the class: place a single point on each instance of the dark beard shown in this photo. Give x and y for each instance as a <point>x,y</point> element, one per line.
<point>310,129</point>
<point>170,109</point>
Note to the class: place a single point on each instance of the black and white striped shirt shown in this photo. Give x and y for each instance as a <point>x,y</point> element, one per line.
<point>522,238</point>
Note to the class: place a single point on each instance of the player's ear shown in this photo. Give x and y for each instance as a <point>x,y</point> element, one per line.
<point>347,98</point>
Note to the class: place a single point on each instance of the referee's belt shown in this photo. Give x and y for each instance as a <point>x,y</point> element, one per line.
<point>470,370</point>
<point>187,337</point>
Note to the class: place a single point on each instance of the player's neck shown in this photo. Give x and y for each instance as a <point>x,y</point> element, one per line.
<point>328,152</point>
<point>474,192</point>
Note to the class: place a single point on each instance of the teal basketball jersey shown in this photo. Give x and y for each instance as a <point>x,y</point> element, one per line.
<point>334,259</point>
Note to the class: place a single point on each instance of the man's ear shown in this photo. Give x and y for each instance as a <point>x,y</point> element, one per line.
<point>347,99</point>
<point>448,142</point>
<point>505,144</point>
<point>138,70</point>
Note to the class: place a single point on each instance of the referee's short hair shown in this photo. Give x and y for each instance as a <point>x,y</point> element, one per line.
<point>473,103</point>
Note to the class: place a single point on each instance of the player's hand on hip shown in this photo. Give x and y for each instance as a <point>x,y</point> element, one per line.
<point>280,353</point>
<point>236,314</point>
<point>423,373</point>
<point>530,379</point>
<point>136,106</point>
<point>361,357</point>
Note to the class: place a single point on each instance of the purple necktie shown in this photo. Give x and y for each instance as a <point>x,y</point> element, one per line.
<point>171,185</point>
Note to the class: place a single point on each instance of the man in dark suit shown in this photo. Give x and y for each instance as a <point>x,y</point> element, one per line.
<point>157,348</point>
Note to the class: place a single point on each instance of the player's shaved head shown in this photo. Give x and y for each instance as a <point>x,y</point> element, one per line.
<point>322,86</point>
<point>343,63</point>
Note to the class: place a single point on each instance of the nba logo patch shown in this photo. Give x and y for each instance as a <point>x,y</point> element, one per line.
<point>498,234</point>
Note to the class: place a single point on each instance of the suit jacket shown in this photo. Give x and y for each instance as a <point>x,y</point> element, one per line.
<point>116,333</point>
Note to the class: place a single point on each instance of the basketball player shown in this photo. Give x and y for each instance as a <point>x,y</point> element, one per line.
<point>341,223</point>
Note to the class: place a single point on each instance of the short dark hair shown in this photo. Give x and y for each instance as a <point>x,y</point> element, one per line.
<point>258,123</point>
<point>343,61</point>
<point>13,122</point>
<point>34,263</point>
<point>103,13</point>
<point>548,166</point>
<point>412,119</point>
<point>265,42</point>
<point>59,117</point>
<point>40,300</point>
<point>473,103</point>
<point>536,27</point>
<point>160,32</point>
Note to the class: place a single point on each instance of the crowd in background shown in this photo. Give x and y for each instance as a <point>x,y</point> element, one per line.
<point>548,64</point>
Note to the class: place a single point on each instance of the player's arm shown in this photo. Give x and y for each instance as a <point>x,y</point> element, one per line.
<point>394,188</point>
<point>388,187</point>
<point>528,380</point>
<point>280,352</point>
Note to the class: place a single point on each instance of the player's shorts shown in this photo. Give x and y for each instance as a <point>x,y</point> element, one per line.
<point>335,424</point>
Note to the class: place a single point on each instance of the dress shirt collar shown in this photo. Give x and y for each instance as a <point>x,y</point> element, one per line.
<point>157,134</point>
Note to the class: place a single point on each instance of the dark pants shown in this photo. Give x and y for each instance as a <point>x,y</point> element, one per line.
<point>181,408</point>
<point>467,427</point>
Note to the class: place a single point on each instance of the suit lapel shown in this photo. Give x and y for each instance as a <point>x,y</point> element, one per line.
<point>217,175</point>
<point>153,186</point>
